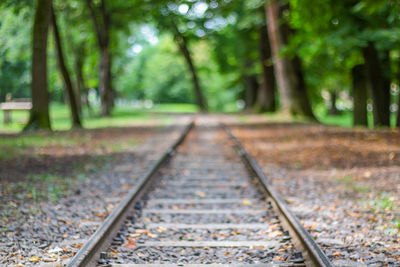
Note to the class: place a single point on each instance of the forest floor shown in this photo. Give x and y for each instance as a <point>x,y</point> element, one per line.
<point>343,184</point>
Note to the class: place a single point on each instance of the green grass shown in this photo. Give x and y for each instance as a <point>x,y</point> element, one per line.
<point>344,120</point>
<point>350,184</point>
<point>384,201</point>
<point>175,108</point>
<point>347,179</point>
<point>14,147</point>
<point>18,146</point>
<point>280,117</point>
<point>121,116</point>
<point>40,187</point>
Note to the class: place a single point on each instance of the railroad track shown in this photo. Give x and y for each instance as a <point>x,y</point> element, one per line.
<point>204,202</point>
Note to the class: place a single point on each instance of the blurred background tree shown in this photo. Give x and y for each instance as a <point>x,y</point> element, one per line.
<point>336,61</point>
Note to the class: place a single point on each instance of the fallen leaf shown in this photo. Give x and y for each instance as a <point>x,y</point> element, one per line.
<point>372,218</point>
<point>62,220</point>
<point>246,202</point>
<point>152,235</point>
<point>34,259</point>
<point>49,260</point>
<point>130,244</point>
<point>113,251</point>
<point>279,258</point>
<point>13,204</point>
<point>161,229</point>
<point>274,234</point>
<point>134,235</point>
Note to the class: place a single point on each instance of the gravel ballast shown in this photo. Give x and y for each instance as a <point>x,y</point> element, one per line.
<point>46,232</point>
<point>200,224</point>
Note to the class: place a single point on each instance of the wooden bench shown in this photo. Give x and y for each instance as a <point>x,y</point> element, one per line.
<point>14,104</point>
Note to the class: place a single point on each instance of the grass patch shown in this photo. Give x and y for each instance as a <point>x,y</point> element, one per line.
<point>351,185</point>
<point>17,146</point>
<point>175,108</point>
<point>284,117</point>
<point>347,179</point>
<point>53,187</point>
<point>384,201</point>
<point>344,120</point>
<point>119,146</point>
<point>40,187</point>
<point>121,116</point>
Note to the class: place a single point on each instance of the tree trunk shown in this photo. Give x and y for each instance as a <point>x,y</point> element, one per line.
<point>39,114</point>
<point>398,112</point>
<point>251,88</point>
<point>105,85</point>
<point>102,22</point>
<point>80,80</point>
<point>288,72</point>
<point>360,93</point>
<point>380,87</point>
<point>333,109</point>
<point>183,46</point>
<point>266,93</point>
<point>76,120</point>
<point>398,100</point>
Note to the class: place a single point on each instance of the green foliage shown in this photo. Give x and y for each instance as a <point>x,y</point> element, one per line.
<point>222,38</point>
<point>15,52</point>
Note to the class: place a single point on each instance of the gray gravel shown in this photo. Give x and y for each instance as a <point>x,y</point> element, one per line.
<point>48,232</point>
<point>339,218</point>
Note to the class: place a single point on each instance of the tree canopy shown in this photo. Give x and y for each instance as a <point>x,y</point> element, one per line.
<point>223,55</point>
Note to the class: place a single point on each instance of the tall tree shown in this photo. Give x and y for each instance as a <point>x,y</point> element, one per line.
<point>379,84</point>
<point>398,113</point>
<point>398,100</point>
<point>184,48</point>
<point>72,99</point>
<point>249,59</point>
<point>101,18</point>
<point>288,71</point>
<point>251,87</point>
<point>333,96</point>
<point>39,114</point>
<point>266,93</point>
<point>79,60</point>
<point>359,95</point>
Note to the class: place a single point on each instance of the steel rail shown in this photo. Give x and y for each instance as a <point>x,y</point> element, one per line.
<point>301,238</point>
<point>89,254</point>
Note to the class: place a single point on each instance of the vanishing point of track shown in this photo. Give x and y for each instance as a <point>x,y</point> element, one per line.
<point>205,201</point>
